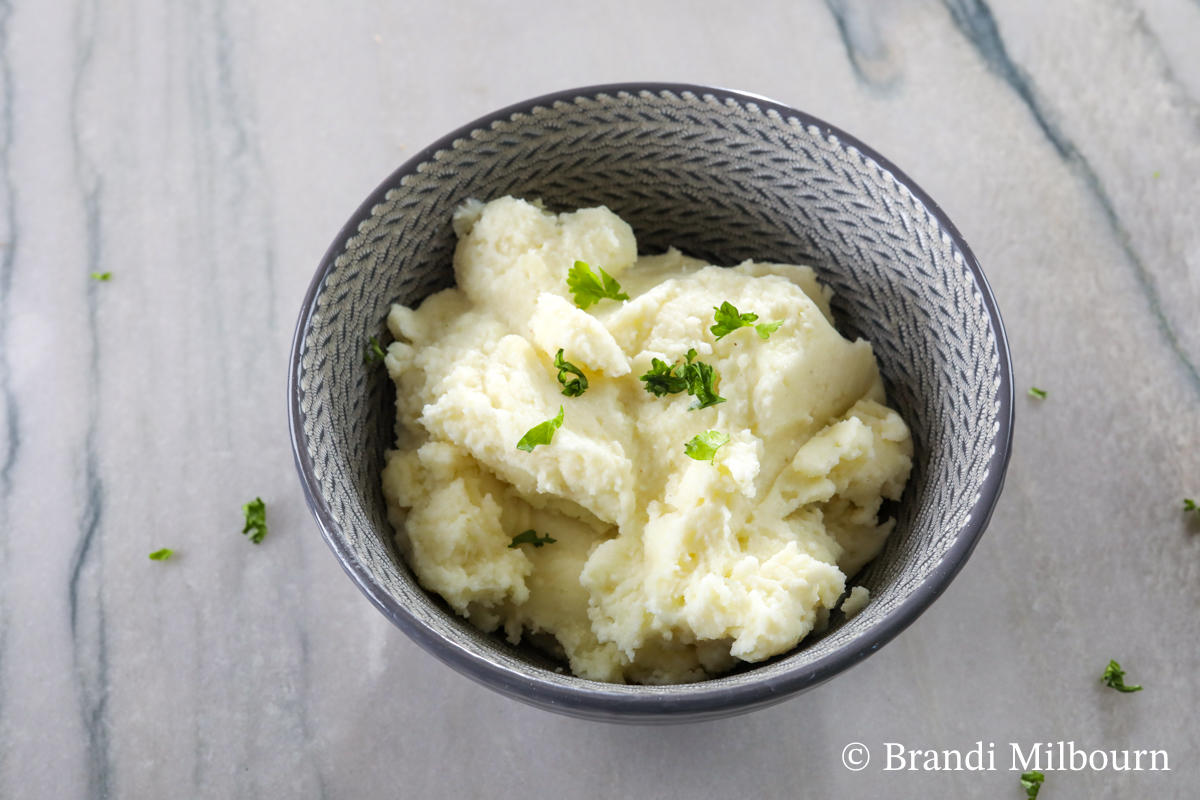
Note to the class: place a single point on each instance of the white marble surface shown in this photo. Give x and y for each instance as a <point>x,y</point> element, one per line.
<point>206,152</point>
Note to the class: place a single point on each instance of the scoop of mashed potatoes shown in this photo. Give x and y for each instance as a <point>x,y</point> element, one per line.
<point>663,569</point>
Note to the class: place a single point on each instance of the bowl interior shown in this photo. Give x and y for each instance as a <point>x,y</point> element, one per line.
<point>723,177</point>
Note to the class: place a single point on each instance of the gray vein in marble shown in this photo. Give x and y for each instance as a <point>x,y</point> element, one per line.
<point>207,145</point>
<point>1169,73</point>
<point>233,205</point>
<point>196,26</point>
<point>975,20</point>
<point>244,145</point>
<point>230,153</point>
<point>1161,22</point>
<point>8,255</point>
<point>88,633</point>
<point>8,252</point>
<point>874,65</point>
<point>302,713</point>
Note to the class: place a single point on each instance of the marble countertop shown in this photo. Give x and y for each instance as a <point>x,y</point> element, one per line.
<point>206,153</point>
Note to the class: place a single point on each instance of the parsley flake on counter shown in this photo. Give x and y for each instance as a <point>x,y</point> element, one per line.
<point>530,537</point>
<point>729,320</point>
<point>694,376</point>
<point>102,276</point>
<point>1190,505</point>
<point>1114,676</point>
<point>161,555</point>
<point>1031,782</point>
<point>704,446</point>
<point>572,387</point>
<point>373,353</point>
<point>587,288</point>
<point>1040,394</point>
<point>541,434</point>
<point>256,520</point>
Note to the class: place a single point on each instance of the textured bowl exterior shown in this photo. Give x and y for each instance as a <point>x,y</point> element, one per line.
<point>724,176</point>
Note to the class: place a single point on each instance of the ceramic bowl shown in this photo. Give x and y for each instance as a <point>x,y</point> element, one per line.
<point>724,176</point>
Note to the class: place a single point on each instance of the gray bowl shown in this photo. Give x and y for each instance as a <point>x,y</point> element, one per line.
<point>724,176</point>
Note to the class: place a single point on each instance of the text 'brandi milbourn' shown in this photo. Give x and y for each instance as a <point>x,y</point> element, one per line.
<point>1040,756</point>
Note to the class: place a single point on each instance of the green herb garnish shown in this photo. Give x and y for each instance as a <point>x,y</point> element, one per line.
<point>661,379</point>
<point>700,377</point>
<point>161,555</point>
<point>694,376</point>
<point>1190,505</point>
<point>541,434</point>
<point>373,353</point>
<point>704,446</point>
<point>729,320</point>
<point>588,289</point>
<point>102,276</point>
<point>765,329</point>
<point>1114,676</point>
<point>256,520</point>
<point>1031,782</point>
<point>572,387</point>
<point>530,537</point>
<point>1040,394</point>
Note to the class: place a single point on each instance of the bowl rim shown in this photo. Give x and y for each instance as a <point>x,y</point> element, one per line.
<point>689,702</point>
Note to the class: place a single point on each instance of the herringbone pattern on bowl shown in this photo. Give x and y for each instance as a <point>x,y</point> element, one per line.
<point>724,179</point>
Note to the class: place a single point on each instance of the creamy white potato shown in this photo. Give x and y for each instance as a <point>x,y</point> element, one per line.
<point>664,569</point>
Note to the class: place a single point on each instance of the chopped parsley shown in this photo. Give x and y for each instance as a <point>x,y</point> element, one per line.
<point>256,520</point>
<point>700,377</point>
<point>530,537</point>
<point>102,276</point>
<point>161,555</point>
<point>765,329</point>
<point>572,387</point>
<point>541,434</point>
<point>661,379</point>
<point>373,353</point>
<point>729,320</point>
<point>1031,782</point>
<point>704,446</point>
<point>1190,505</point>
<point>1040,394</point>
<point>1114,676</point>
<point>694,376</point>
<point>587,288</point>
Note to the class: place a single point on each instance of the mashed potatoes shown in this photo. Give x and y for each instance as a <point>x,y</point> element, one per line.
<point>663,568</point>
